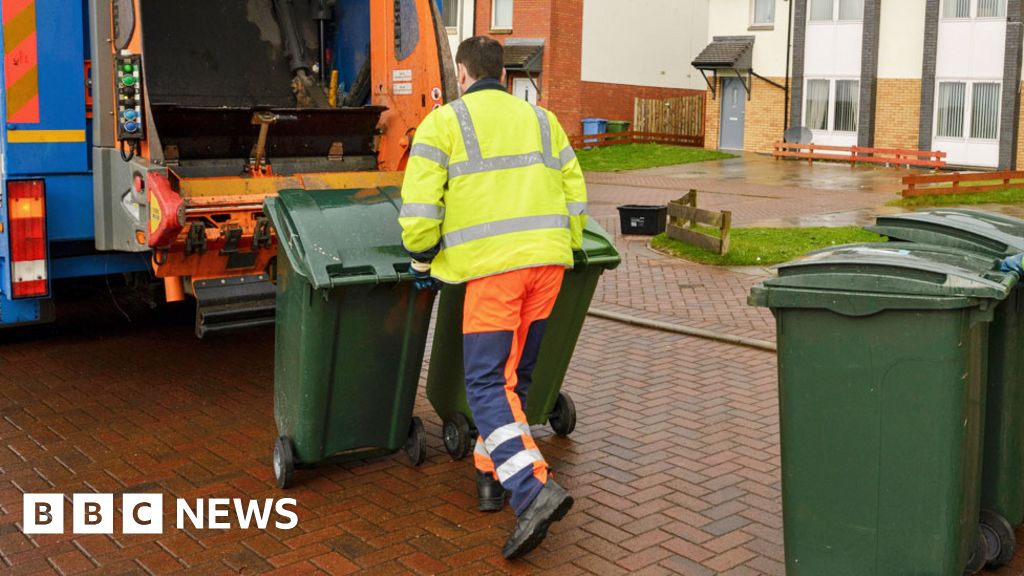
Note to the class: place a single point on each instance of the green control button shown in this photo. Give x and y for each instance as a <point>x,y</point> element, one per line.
<point>128,68</point>
<point>128,80</point>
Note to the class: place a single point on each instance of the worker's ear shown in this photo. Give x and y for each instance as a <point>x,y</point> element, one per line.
<point>463,74</point>
<point>503,76</point>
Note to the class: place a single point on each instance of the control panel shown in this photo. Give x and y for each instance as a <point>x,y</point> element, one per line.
<point>130,123</point>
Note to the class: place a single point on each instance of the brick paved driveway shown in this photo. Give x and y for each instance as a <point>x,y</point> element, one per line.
<point>674,462</point>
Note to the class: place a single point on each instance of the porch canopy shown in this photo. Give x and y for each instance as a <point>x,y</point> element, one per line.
<point>730,54</point>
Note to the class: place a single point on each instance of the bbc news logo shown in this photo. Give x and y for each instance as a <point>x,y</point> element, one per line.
<point>144,513</point>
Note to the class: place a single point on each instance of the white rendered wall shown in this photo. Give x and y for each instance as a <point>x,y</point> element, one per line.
<point>901,39</point>
<point>644,42</point>
<point>732,18</point>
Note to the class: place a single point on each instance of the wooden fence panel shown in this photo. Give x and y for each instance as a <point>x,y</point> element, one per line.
<point>630,137</point>
<point>683,115</point>
<point>683,216</point>
<point>960,183</point>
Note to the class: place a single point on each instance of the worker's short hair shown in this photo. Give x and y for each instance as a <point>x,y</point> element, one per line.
<point>482,56</point>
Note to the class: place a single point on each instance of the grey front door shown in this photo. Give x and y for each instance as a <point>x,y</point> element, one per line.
<point>734,100</point>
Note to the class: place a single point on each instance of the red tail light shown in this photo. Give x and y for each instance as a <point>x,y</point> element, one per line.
<point>26,230</point>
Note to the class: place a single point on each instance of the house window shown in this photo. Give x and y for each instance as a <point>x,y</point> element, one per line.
<point>837,10</point>
<point>991,8</point>
<point>501,15</point>
<point>821,10</point>
<point>763,12</point>
<point>451,13</point>
<point>964,9</point>
<point>985,111</point>
<point>851,9</point>
<point>956,9</point>
<point>960,101</point>
<point>816,117</point>
<point>952,101</point>
<point>832,105</point>
<point>847,105</point>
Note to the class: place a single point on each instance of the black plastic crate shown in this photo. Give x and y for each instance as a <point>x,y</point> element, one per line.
<point>643,219</point>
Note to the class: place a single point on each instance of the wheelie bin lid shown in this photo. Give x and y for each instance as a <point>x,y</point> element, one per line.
<point>967,229</point>
<point>598,248</point>
<point>863,281</point>
<point>945,254</point>
<point>341,237</point>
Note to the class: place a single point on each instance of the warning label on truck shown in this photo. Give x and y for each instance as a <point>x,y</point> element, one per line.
<point>401,88</point>
<point>401,75</point>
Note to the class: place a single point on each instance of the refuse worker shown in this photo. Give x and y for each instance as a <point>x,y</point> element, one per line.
<point>1013,264</point>
<point>494,197</point>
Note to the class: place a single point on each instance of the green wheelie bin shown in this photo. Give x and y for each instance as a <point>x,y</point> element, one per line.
<point>881,359</point>
<point>617,126</point>
<point>351,330</point>
<point>990,236</point>
<point>446,382</point>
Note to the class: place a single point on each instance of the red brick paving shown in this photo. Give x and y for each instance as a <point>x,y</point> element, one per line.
<point>674,463</point>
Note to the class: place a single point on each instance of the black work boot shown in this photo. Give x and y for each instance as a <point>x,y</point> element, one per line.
<point>550,505</point>
<point>490,491</point>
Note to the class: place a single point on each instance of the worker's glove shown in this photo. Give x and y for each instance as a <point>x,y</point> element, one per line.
<point>421,279</point>
<point>1012,264</point>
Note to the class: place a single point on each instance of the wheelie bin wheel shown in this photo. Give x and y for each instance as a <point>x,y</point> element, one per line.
<point>456,435</point>
<point>284,461</point>
<point>563,415</point>
<point>416,445</point>
<point>1001,542</point>
<point>979,556</point>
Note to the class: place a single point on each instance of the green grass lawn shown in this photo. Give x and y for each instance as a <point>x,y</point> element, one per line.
<point>1011,196</point>
<point>764,246</point>
<point>637,156</point>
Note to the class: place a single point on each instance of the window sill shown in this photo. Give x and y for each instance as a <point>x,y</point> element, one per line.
<point>761,27</point>
<point>500,31</point>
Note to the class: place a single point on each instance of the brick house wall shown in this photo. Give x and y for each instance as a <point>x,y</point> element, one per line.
<point>562,91</point>
<point>897,113</point>
<point>763,118</point>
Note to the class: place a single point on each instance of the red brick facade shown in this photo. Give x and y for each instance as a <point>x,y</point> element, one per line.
<point>561,89</point>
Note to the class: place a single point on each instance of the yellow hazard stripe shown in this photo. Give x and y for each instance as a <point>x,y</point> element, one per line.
<point>44,136</point>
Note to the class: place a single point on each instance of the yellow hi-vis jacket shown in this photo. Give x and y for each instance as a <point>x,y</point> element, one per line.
<point>491,185</point>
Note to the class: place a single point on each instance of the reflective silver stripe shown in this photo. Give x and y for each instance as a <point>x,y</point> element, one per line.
<point>577,208</point>
<point>430,153</point>
<point>419,210</point>
<point>468,132</point>
<point>566,155</point>
<point>480,449</point>
<point>506,433</point>
<point>499,163</point>
<point>500,227</point>
<point>545,131</point>
<point>522,460</point>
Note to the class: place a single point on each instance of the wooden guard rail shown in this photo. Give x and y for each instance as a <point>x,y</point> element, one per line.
<point>631,137</point>
<point>961,183</point>
<point>861,154</point>
<point>683,217</point>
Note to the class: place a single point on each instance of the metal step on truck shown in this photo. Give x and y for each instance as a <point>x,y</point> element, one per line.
<point>141,136</point>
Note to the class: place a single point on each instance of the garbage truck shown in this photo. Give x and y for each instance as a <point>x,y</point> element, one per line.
<point>142,136</point>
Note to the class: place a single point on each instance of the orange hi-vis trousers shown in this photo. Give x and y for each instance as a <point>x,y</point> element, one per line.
<point>503,323</point>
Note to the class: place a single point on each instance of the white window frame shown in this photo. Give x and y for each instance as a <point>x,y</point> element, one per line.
<point>754,25</point>
<point>835,17</point>
<point>972,13</point>
<point>831,105</point>
<point>494,12</point>
<point>968,110</point>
